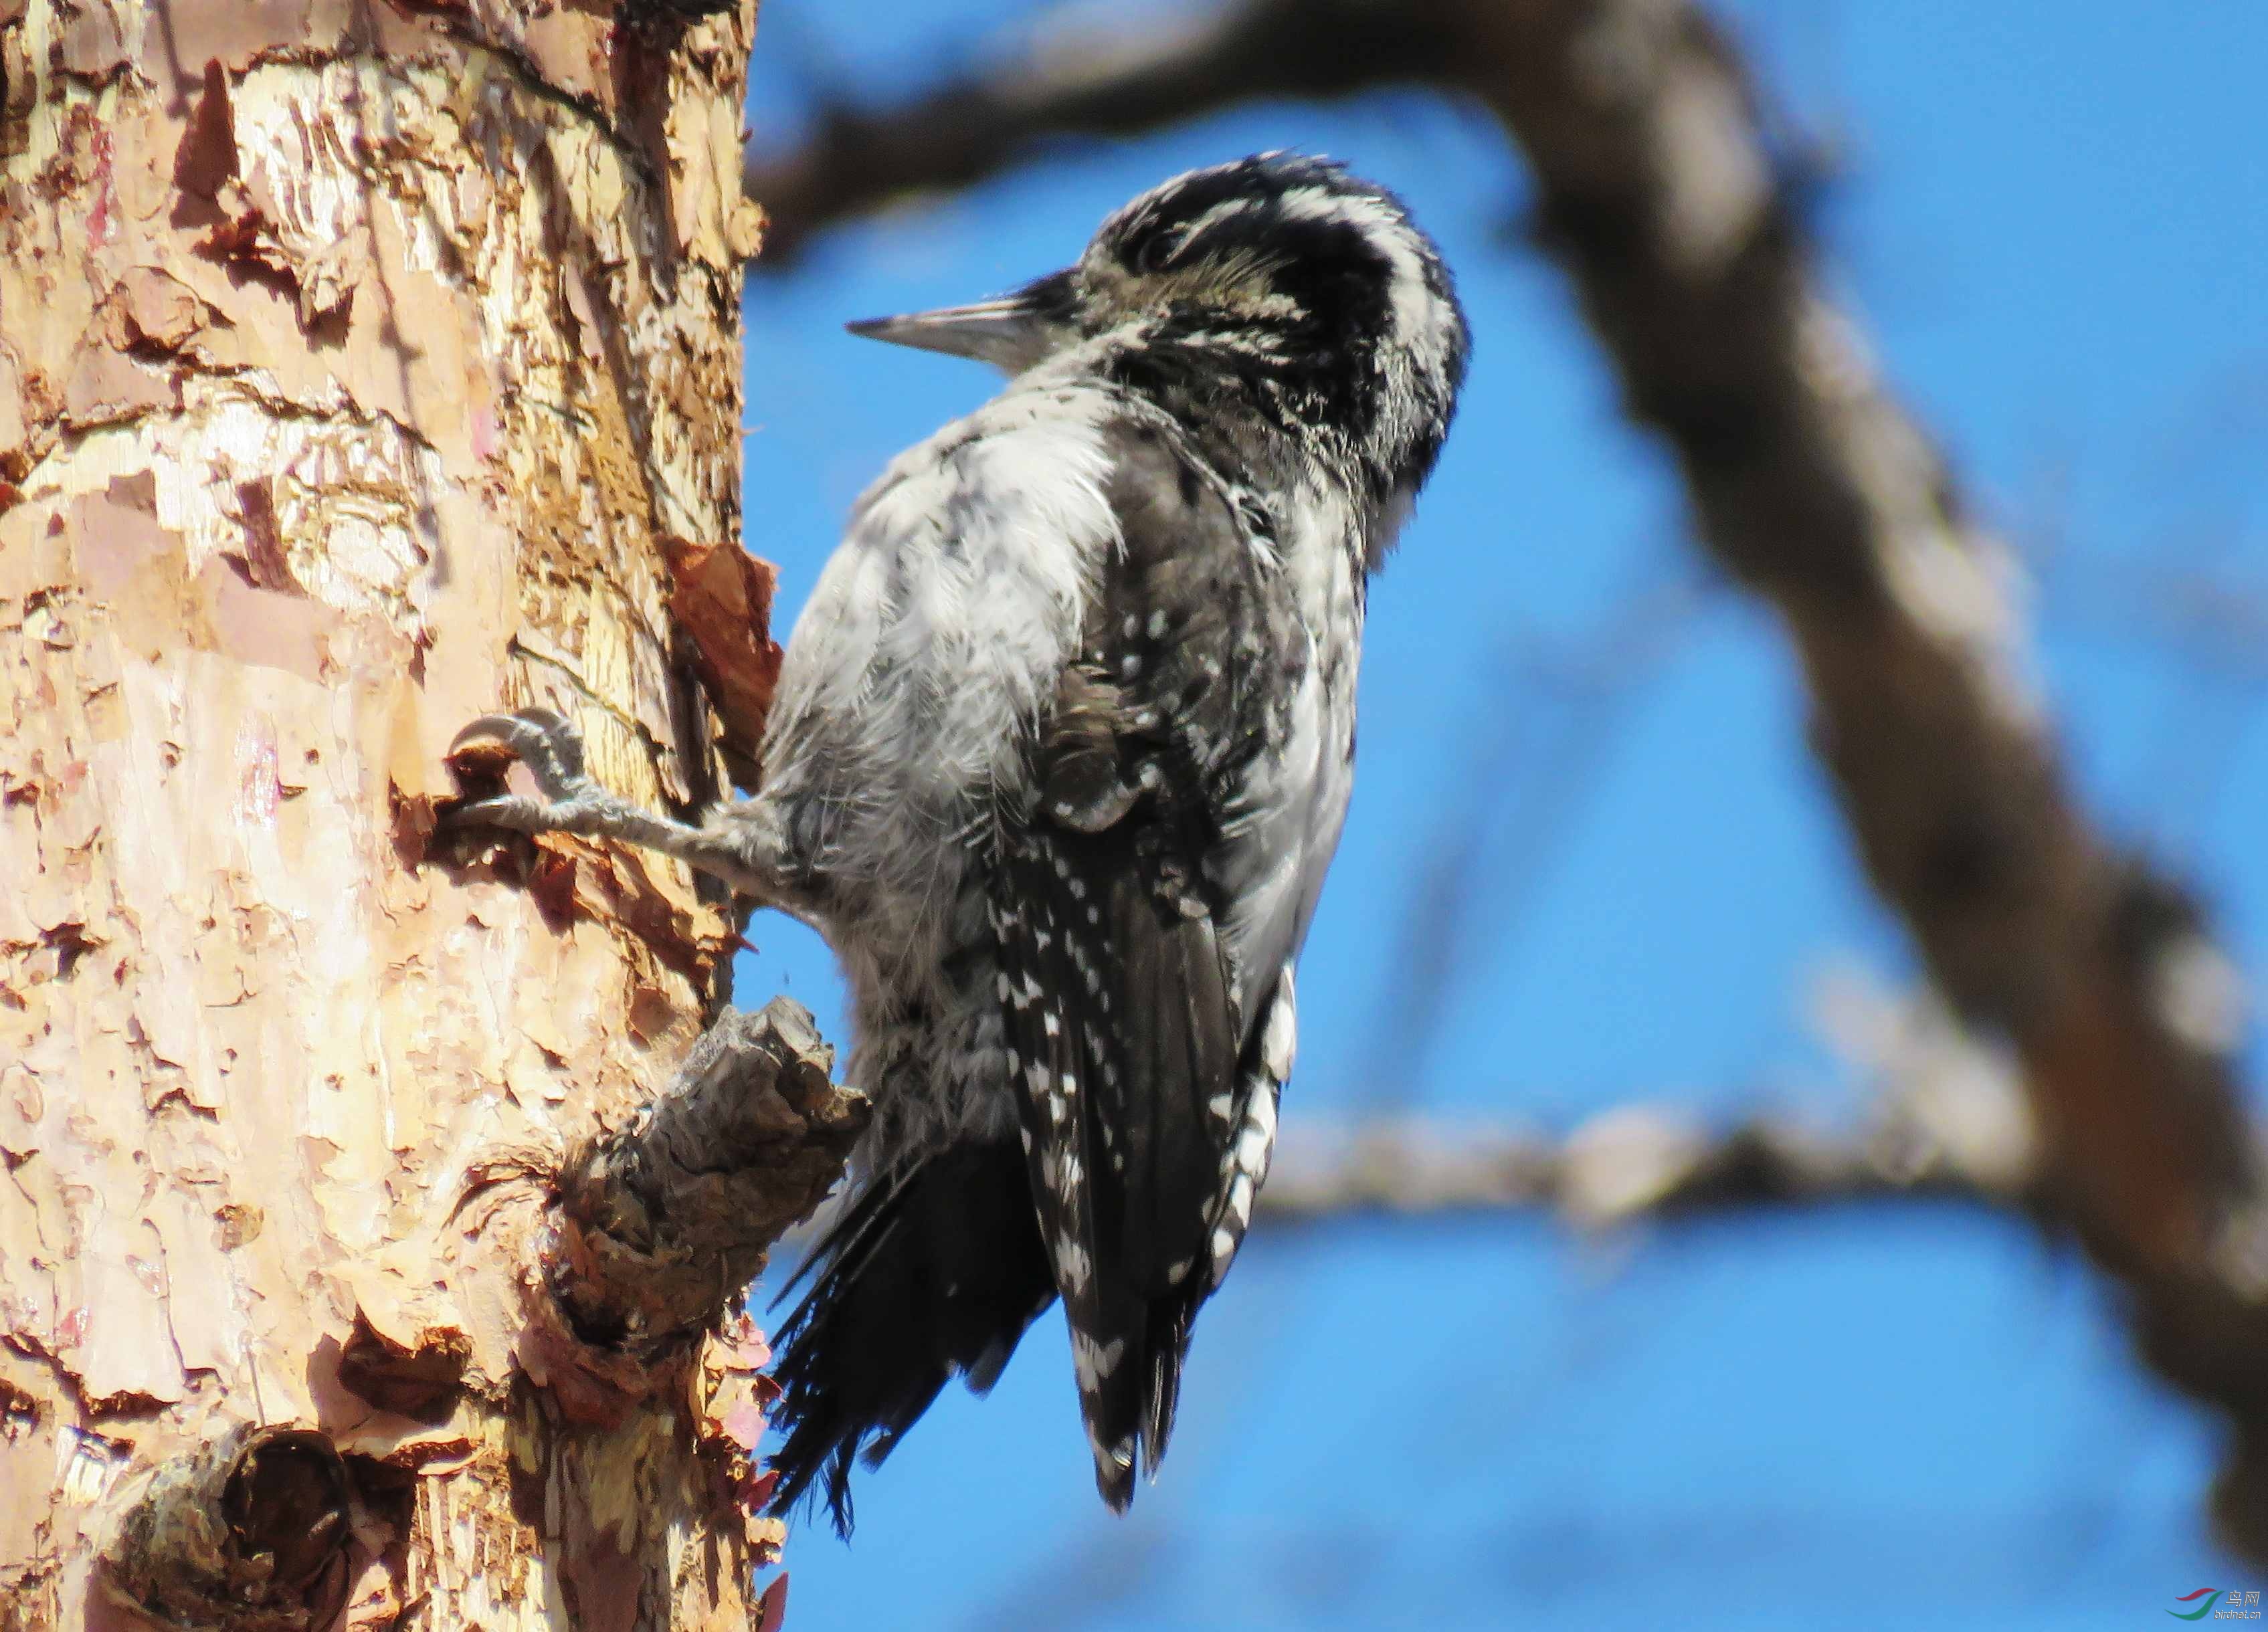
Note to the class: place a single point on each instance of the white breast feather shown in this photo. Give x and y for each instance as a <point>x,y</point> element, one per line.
<point>942,625</point>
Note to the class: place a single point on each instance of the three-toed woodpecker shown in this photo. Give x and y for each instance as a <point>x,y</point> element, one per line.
<point>1060,752</point>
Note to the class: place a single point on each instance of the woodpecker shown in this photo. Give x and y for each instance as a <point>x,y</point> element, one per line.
<point>1061,750</point>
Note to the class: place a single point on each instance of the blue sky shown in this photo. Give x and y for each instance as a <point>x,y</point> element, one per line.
<point>2049,223</point>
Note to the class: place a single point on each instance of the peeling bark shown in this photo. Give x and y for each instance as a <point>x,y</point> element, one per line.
<point>363,366</point>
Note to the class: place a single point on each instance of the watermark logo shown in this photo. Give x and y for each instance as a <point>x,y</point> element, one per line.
<point>2235,1604</point>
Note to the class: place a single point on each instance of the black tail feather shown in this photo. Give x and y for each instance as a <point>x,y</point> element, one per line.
<point>933,1271</point>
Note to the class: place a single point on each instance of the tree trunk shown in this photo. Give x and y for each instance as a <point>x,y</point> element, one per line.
<point>365,365</point>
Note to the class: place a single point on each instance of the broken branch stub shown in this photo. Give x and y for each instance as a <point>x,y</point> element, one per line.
<point>249,1533</point>
<point>658,1226</point>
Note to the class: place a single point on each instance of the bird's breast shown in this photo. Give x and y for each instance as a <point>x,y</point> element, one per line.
<point>936,633</point>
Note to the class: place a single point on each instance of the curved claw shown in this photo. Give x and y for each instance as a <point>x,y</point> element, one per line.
<point>569,800</point>
<point>547,743</point>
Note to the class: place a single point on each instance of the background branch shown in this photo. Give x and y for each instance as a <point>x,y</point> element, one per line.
<point>1631,1163</point>
<point>1946,1121</point>
<point>1079,80</point>
<point>1636,1162</point>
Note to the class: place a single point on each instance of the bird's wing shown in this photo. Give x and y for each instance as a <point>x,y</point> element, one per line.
<point>1147,1063</point>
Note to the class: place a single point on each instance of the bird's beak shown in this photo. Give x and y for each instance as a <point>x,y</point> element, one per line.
<point>1011,333</point>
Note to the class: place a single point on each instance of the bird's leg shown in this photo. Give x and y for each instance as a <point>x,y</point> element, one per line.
<point>571,801</point>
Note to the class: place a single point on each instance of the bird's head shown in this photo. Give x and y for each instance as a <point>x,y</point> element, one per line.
<point>1280,274</point>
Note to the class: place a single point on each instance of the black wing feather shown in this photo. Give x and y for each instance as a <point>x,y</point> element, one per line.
<point>1123,1013</point>
<point>1054,961</point>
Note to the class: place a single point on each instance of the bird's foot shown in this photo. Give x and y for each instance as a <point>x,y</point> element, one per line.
<point>551,747</point>
<point>569,800</point>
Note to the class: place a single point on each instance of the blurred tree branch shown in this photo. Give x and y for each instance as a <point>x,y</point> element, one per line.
<point>1633,1163</point>
<point>1946,1121</point>
<point>1086,83</point>
<point>1662,194</point>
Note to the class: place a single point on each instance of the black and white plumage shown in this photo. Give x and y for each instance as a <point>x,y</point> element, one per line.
<point>1061,752</point>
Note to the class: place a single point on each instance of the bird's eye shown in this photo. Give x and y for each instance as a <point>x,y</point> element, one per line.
<point>1156,253</point>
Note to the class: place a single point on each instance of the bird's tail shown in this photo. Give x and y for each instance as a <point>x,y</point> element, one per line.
<point>933,1271</point>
